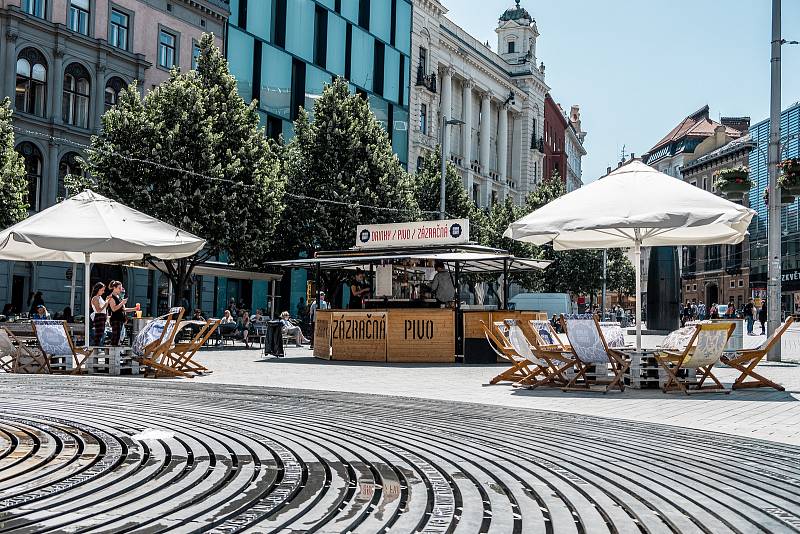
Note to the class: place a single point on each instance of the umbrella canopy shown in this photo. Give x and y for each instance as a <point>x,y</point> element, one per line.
<point>634,206</point>
<point>90,227</point>
<point>92,223</point>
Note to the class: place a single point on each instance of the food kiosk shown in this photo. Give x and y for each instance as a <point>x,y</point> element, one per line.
<point>400,321</point>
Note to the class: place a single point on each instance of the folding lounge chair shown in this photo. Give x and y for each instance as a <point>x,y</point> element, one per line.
<point>502,346</point>
<point>154,342</point>
<point>180,356</point>
<point>591,349</point>
<point>55,341</point>
<point>702,352</point>
<point>538,369</point>
<point>16,357</point>
<point>746,361</point>
<point>548,351</point>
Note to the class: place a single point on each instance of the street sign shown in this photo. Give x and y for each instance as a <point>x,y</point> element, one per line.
<point>413,234</point>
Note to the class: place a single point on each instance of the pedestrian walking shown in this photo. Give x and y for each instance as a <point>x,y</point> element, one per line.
<point>714,312</point>
<point>750,316</point>
<point>762,317</point>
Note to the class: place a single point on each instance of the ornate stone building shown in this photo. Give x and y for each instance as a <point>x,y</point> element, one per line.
<point>499,96</point>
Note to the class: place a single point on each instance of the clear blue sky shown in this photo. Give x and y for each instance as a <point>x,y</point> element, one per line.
<point>637,67</point>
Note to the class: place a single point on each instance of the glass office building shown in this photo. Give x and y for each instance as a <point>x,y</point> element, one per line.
<point>283,52</point>
<point>790,215</point>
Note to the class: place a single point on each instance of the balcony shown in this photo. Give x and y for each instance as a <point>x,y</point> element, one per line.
<point>428,81</point>
<point>537,144</point>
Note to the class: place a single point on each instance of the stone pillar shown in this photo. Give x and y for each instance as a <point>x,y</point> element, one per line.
<point>446,107</point>
<point>98,92</point>
<point>11,64</point>
<point>502,149</point>
<point>55,79</point>
<point>486,139</point>
<point>467,132</point>
<point>48,189</point>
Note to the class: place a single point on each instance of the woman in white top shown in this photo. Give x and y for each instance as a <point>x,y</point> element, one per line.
<point>99,305</point>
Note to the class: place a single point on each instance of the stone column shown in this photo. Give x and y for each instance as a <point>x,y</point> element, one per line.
<point>48,189</point>
<point>55,79</point>
<point>502,149</point>
<point>98,93</point>
<point>467,132</point>
<point>446,107</point>
<point>11,63</point>
<point>486,139</point>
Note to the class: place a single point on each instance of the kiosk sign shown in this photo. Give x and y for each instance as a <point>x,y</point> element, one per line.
<point>413,234</point>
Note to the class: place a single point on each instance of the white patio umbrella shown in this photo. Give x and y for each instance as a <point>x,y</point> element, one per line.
<point>92,228</point>
<point>634,206</point>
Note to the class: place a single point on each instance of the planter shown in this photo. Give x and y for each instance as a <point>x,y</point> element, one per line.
<point>734,187</point>
<point>787,197</point>
<point>735,196</point>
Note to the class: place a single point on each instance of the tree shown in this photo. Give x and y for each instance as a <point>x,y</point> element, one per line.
<point>620,273</point>
<point>13,185</point>
<point>192,153</point>
<point>498,219</point>
<point>341,172</point>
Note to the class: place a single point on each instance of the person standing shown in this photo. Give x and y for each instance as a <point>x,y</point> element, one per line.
<point>442,284</point>
<point>749,316</point>
<point>98,315</point>
<point>244,327</point>
<point>762,316</point>
<point>116,303</point>
<point>312,314</point>
<point>359,290</point>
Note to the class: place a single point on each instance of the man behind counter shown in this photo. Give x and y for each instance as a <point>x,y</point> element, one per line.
<point>442,284</point>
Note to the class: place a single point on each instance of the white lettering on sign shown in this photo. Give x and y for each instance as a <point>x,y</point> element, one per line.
<point>446,232</point>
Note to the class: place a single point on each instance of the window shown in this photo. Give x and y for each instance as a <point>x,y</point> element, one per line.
<point>243,68</point>
<point>399,118</point>
<point>79,16</point>
<point>362,60</point>
<point>35,8</point>
<point>694,287</point>
<point>423,60</point>
<point>316,80</point>
<point>380,19</point>
<point>69,164</point>
<point>733,284</point>
<point>402,30</point>
<point>118,33</point>
<point>337,43</point>
<point>75,105</point>
<point>688,287</point>
<point>420,162</point>
<point>423,118</point>
<point>113,88</point>
<point>259,18</point>
<point>276,82</point>
<point>167,46</point>
<point>512,45</point>
<point>31,91</point>
<point>705,183</point>
<point>195,54</point>
<point>33,172</point>
<point>320,36</point>
<point>741,283</point>
<point>300,15</point>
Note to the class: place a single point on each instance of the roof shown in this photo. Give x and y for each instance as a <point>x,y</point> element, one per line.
<point>470,258</point>
<point>698,124</point>
<point>742,143</point>
<point>516,13</point>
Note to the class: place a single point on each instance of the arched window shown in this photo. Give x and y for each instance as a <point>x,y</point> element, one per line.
<point>31,82</point>
<point>69,164</point>
<point>76,95</point>
<point>33,172</point>
<point>113,87</point>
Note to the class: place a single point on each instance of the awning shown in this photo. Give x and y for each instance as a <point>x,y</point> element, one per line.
<point>215,269</point>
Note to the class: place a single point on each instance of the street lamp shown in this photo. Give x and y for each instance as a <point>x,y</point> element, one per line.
<point>445,151</point>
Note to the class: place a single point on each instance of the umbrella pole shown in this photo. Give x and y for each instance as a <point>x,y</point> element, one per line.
<point>72,288</point>
<point>637,255</point>
<point>87,269</point>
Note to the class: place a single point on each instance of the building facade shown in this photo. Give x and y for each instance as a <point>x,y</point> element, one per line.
<point>717,273</point>
<point>555,133</point>
<point>790,214</point>
<point>575,151</point>
<point>283,52</point>
<point>499,97</point>
<point>65,62</point>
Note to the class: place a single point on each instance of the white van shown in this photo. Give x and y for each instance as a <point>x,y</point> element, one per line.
<point>552,303</point>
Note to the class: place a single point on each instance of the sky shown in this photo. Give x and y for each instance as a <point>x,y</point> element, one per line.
<point>638,67</point>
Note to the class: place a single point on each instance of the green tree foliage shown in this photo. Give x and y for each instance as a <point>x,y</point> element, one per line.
<point>498,219</point>
<point>192,153</point>
<point>13,185</point>
<point>343,156</point>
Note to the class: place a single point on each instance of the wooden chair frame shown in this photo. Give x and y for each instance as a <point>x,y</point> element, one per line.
<point>746,361</point>
<point>80,355</point>
<point>673,362</point>
<point>181,356</point>
<point>156,353</point>
<point>520,366</point>
<point>538,371</point>
<point>617,360</point>
<point>558,357</point>
<point>10,364</point>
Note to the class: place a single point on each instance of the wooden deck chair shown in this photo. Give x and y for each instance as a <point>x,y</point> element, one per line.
<point>151,347</point>
<point>537,368</point>
<point>180,356</point>
<point>55,341</point>
<point>746,361</point>
<point>499,342</point>
<point>549,351</point>
<point>591,349</point>
<point>16,357</point>
<point>702,352</point>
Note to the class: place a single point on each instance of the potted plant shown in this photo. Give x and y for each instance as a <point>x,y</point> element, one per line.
<point>789,179</point>
<point>786,197</point>
<point>733,183</point>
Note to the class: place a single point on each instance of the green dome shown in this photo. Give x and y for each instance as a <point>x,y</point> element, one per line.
<point>516,13</point>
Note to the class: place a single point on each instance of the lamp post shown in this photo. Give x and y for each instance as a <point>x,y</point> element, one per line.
<point>774,213</point>
<point>445,151</point>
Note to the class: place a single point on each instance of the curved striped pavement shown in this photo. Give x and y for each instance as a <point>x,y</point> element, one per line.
<point>106,455</point>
